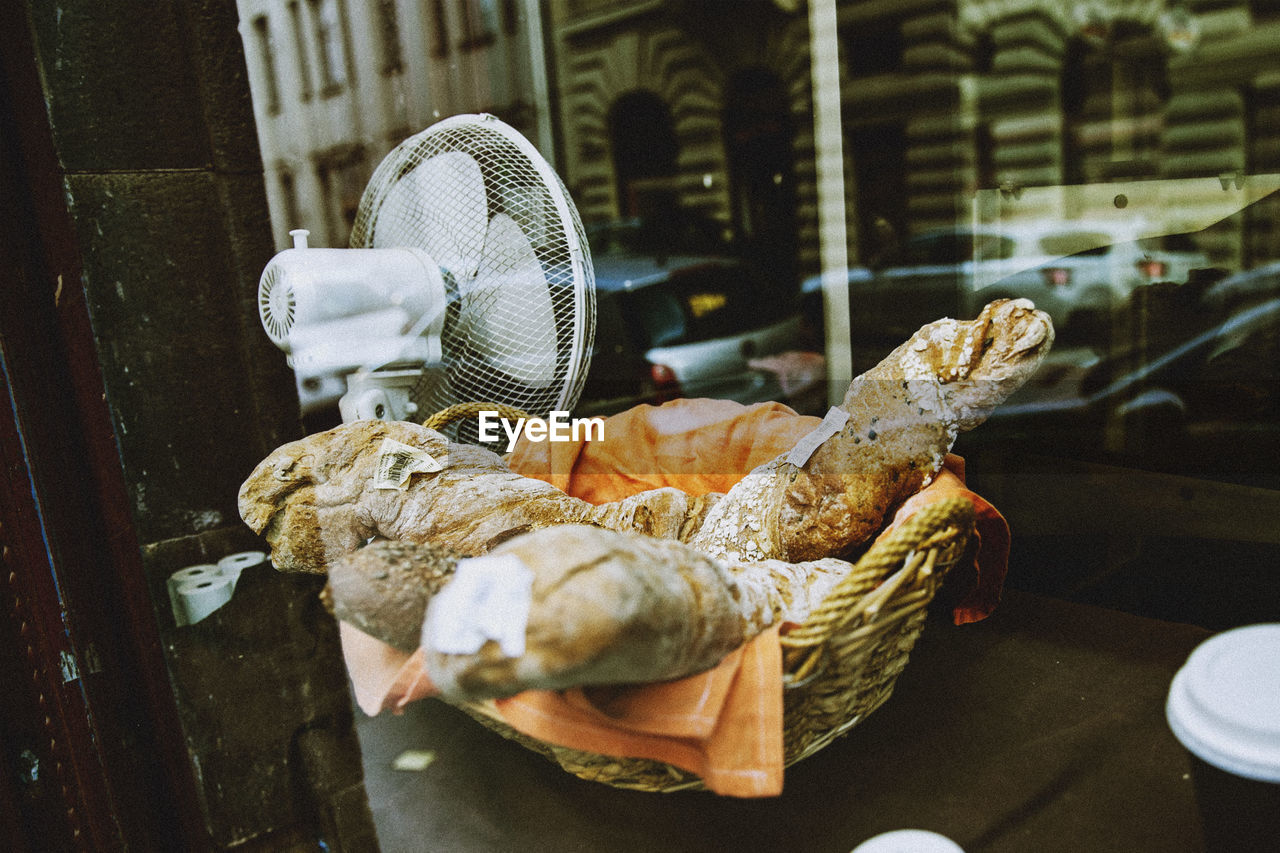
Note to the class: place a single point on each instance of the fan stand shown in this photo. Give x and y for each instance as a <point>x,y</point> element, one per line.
<point>380,395</point>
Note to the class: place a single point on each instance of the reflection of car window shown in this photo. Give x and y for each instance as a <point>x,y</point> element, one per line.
<point>698,304</point>
<point>1240,378</point>
<point>658,315</point>
<point>1168,243</point>
<point>1087,243</point>
<point>951,249</point>
<point>954,248</point>
<point>992,247</point>
<point>677,234</point>
<point>918,251</point>
<point>928,250</point>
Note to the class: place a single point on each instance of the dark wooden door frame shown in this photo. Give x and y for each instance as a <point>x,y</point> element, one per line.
<point>94,757</point>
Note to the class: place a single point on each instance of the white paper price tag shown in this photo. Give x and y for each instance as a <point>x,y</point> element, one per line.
<point>488,598</point>
<point>398,461</point>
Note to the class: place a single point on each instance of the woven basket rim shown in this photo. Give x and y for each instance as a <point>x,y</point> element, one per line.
<point>839,665</point>
<point>854,669</point>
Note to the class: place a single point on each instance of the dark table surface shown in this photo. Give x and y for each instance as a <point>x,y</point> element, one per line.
<point>1040,729</point>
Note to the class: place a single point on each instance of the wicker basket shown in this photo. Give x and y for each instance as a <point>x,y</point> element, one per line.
<point>838,667</point>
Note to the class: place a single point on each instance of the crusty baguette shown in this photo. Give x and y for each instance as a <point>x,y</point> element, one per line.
<point>608,608</point>
<point>383,589</point>
<point>603,608</point>
<point>319,498</point>
<point>903,417</point>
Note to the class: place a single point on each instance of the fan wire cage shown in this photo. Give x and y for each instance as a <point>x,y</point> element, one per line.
<point>481,201</point>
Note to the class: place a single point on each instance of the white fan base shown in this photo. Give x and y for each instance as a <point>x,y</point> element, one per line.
<point>381,395</point>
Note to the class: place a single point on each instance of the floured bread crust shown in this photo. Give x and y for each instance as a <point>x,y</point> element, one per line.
<point>604,608</point>
<point>903,417</point>
<point>318,499</point>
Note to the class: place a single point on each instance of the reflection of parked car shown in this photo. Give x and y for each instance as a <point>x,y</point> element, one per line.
<point>1074,273</point>
<point>1081,274</point>
<point>1206,405</point>
<point>1244,288</point>
<point>909,285</point>
<point>683,325</point>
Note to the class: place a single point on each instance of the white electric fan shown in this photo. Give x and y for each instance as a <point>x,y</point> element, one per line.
<point>468,280</point>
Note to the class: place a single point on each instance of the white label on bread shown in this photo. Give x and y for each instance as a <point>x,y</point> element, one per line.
<point>398,461</point>
<point>834,421</point>
<point>488,598</point>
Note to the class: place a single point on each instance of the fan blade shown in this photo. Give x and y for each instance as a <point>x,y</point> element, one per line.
<point>440,207</point>
<point>509,310</point>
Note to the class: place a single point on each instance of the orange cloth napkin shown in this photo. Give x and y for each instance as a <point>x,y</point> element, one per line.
<point>978,581</point>
<point>724,724</point>
<point>695,445</point>
<point>383,677</point>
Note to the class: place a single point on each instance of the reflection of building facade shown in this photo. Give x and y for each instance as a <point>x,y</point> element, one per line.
<point>338,83</point>
<point>1098,93</point>
<point>711,103</point>
<point>706,105</point>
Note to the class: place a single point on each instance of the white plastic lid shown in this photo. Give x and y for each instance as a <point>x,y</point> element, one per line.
<point>242,560</point>
<point>202,570</point>
<point>1224,704</point>
<point>908,841</point>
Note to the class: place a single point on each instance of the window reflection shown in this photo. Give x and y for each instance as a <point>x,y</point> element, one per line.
<point>300,50</point>
<point>645,150</point>
<point>389,26</point>
<point>271,87</point>
<point>1116,163</point>
<point>326,19</point>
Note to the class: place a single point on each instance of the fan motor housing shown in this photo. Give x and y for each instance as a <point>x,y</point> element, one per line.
<point>301,288</point>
